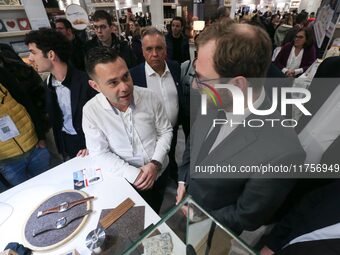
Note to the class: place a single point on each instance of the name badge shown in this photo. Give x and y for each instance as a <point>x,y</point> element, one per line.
<point>8,130</point>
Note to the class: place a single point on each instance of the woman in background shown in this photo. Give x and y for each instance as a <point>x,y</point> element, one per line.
<point>295,57</point>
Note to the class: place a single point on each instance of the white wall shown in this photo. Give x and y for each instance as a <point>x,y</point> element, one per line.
<point>309,6</point>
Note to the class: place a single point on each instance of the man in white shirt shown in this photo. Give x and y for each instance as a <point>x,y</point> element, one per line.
<point>162,77</point>
<point>125,126</point>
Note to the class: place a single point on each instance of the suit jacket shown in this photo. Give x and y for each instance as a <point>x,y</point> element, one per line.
<point>185,53</point>
<point>81,92</point>
<point>247,203</point>
<point>317,210</point>
<point>308,57</point>
<point>139,79</point>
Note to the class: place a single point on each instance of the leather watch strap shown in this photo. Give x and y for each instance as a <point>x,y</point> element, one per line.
<point>64,206</point>
<point>80,201</point>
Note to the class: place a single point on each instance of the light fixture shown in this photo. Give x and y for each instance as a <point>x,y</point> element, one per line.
<point>198,25</point>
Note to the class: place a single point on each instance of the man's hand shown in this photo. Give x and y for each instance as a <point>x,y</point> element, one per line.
<point>266,251</point>
<point>83,153</point>
<point>147,177</point>
<point>180,192</point>
<point>41,144</point>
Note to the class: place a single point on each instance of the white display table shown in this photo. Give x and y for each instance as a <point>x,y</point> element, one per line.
<point>24,198</point>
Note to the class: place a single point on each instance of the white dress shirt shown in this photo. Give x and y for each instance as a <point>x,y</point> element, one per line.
<point>294,62</point>
<point>165,87</point>
<point>126,141</point>
<point>64,101</point>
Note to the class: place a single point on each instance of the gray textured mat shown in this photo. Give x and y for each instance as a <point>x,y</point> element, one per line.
<point>122,233</point>
<point>54,236</point>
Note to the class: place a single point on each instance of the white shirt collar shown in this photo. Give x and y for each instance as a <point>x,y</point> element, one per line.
<point>149,71</point>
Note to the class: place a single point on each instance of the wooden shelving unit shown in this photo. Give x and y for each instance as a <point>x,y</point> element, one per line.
<point>11,7</point>
<point>14,33</point>
<point>103,5</point>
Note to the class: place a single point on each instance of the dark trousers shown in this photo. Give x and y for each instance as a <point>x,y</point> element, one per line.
<point>172,167</point>
<point>72,144</point>
<point>154,196</point>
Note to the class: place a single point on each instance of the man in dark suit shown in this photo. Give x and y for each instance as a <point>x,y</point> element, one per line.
<point>240,200</point>
<point>67,89</point>
<point>163,77</point>
<point>310,227</point>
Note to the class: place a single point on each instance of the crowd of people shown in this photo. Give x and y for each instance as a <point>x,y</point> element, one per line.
<point>121,100</point>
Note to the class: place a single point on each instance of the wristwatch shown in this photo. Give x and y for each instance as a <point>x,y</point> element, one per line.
<point>157,164</point>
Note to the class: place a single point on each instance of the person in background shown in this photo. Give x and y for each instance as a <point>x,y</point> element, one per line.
<point>163,77</point>
<point>300,22</point>
<point>235,53</point>
<point>66,88</point>
<point>177,44</point>
<point>283,29</point>
<point>77,54</point>
<point>23,152</point>
<point>133,33</point>
<point>272,26</point>
<point>126,126</point>
<point>295,57</point>
<point>106,38</point>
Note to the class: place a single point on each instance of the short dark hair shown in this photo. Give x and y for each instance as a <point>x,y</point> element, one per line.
<point>48,39</point>
<point>301,17</point>
<point>101,14</point>
<point>99,55</point>
<point>67,24</point>
<point>179,19</point>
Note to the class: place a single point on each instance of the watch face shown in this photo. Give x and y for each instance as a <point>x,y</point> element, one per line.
<point>63,207</point>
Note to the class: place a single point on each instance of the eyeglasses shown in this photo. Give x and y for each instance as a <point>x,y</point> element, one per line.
<point>101,27</point>
<point>199,83</point>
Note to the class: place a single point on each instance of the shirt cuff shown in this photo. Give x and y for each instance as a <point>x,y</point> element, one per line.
<point>298,71</point>
<point>284,70</point>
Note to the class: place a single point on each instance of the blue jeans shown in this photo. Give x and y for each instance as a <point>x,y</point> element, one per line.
<point>19,169</point>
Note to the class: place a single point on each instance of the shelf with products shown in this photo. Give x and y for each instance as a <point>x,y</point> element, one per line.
<point>11,7</point>
<point>13,33</point>
<point>13,23</point>
<point>103,5</point>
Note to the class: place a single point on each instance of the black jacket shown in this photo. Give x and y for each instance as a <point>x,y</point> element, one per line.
<point>122,48</point>
<point>81,92</point>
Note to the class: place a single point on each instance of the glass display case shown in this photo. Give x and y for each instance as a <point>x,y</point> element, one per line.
<point>188,229</point>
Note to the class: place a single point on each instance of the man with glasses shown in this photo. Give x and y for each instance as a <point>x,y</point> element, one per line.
<point>126,127</point>
<point>102,24</point>
<point>235,54</point>
<point>162,77</point>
